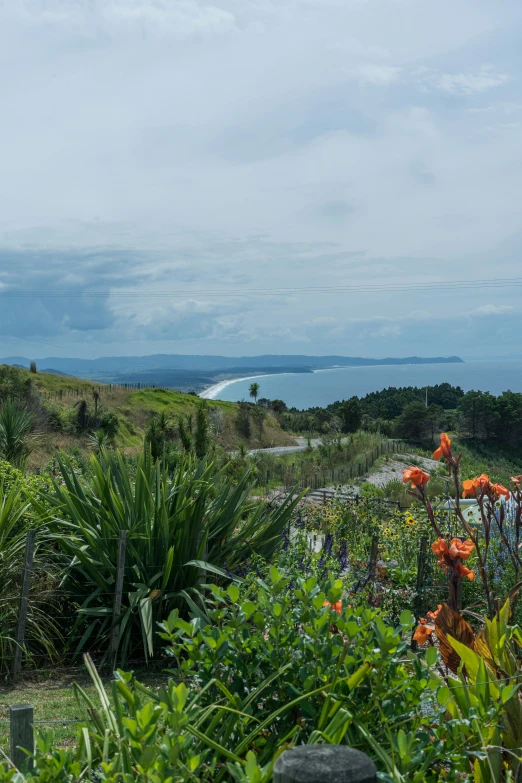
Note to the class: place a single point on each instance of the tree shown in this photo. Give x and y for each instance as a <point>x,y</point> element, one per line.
<point>216,418</point>
<point>32,367</point>
<point>83,419</point>
<point>254,391</point>
<point>478,414</point>
<point>201,439</point>
<point>351,415</point>
<point>259,418</point>
<point>243,420</point>
<point>184,434</point>
<point>434,421</point>
<point>411,424</point>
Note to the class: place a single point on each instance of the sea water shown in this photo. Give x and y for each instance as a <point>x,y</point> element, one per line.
<point>322,387</point>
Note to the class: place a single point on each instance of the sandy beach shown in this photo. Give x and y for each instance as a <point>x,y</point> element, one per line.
<point>212,391</point>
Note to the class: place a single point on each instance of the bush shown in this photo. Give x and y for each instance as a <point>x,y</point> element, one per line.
<point>175,523</point>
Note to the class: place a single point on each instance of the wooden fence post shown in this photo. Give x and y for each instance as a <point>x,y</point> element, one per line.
<point>24,605</point>
<point>21,734</point>
<point>319,763</point>
<point>118,592</point>
<point>421,566</point>
<point>373,557</point>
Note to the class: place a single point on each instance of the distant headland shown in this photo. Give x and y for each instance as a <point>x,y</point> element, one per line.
<point>190,372</point>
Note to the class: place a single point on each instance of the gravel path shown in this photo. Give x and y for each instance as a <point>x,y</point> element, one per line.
<point>392,469</point>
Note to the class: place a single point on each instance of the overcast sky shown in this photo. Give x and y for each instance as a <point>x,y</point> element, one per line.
<point>184,146</point>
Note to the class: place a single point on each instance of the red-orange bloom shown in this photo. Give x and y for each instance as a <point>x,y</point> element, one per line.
<point>467,572</point>
<point>479,483</point>
<point>417,476</point>
<point>499,490</point>
<point>432,616</point>
<point>444,448</point>
<point>453,555</point>
<point>462,549</point>
<point>336,607</point>
<point>516,481</point>
<point>423,631</point>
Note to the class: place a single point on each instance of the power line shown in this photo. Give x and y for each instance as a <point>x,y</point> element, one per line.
<point>340,288</point>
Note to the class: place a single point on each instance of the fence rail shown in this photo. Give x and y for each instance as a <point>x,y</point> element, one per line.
<point>358,467</point>
<point>107,388</point>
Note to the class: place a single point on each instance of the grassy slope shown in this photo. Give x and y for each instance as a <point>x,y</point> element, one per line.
<point>135,408</point>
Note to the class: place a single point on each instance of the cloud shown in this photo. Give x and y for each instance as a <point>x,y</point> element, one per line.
<point>375,74</point>
<point>170,153</point>
<point>471,83</point>
<point>491,309</point>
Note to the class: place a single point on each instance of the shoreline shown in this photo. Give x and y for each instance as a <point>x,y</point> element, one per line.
<point>211,391</point>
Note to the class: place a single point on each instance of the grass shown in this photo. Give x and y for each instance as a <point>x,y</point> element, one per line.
<point>479,458</point>
<point>135,408</point>
<point>54,702</point>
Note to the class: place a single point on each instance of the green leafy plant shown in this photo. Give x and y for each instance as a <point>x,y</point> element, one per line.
<point>177,526</point>
<point>17,437</point>
<point>41,630</point>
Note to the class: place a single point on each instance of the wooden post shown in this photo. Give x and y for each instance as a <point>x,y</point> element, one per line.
<point>24,604</point>
<point>118,592</point>
<point>421,565</point>
<point>373,557</point>
<point>21,734</point>
<point>324,498</point>
<point>319,763</point>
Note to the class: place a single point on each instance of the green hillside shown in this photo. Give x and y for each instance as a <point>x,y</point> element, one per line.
<point>57,399</point>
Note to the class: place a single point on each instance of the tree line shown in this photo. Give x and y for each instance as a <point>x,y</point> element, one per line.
<point>415,414</point>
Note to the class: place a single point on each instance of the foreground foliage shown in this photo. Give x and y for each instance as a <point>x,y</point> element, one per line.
<point>269,665</point>
<point>178,526</point>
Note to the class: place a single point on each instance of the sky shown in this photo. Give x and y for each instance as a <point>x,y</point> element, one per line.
<point>176,172</point>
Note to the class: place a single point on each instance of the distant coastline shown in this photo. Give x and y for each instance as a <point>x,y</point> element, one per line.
<point>211,392</point>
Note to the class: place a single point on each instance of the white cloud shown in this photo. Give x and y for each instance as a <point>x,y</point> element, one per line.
<point>222,144</point>
<point>491,309</point>
<point>324,321</point>
<point>471,83</point>
<point>375,74</point>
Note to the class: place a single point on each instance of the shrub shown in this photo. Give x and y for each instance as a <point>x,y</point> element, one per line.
<point>175,525</point>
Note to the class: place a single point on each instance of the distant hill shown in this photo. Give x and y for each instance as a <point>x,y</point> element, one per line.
<point>205,369</point>
<point>134,408</point>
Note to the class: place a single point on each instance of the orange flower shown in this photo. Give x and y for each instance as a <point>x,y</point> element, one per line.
<point>417,476</point>
<point>462,549</point>
<point>453,555</point>
<point>432,616</point>
<point>337,607</point>
<point>516,481</point>
<point>499,490</point>
<point>423,631</point>
<point>470,486</point>
<point>444,448</point>
<point>440,548</point>
<point>463,571</point>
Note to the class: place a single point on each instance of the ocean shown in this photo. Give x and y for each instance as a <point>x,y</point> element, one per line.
<point>320,388</point>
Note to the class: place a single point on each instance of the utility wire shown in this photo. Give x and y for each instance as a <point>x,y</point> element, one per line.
<point>338,288</point>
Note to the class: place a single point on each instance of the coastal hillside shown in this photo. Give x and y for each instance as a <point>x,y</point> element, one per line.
<point>59,402</point>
